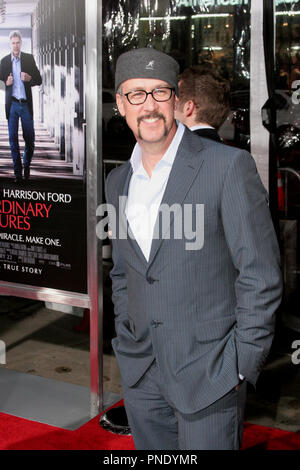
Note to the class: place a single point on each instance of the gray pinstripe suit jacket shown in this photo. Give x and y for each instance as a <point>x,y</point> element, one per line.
<point>205,315</point>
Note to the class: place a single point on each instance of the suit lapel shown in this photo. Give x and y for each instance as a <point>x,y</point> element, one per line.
<point>120,203</point>
<point>185,168</point>
<point>124,227</point>
<point>8,65</point>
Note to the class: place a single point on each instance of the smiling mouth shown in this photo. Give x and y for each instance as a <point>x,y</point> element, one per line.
<point>151,119</point>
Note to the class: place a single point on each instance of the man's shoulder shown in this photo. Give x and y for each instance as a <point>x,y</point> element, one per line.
<point>213,149</point>
<point>6,59</point>
<point>119,170</point>
<point>115,182</point>
<point>26,56</point>
<point>209,133</point>
<point>218,156</point>
<point>117,176</point>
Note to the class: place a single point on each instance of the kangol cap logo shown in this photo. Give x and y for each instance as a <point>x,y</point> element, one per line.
<point>150,66</point>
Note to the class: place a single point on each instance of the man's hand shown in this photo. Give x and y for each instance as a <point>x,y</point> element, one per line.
<point>25,77</point>
<point>10,80</point>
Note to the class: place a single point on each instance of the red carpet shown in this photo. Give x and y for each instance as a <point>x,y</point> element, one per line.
<point>22,434</point>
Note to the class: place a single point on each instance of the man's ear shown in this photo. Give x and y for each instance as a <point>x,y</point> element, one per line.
<point>120,104</point>
<point>176,102</point>
<point>188,108</point>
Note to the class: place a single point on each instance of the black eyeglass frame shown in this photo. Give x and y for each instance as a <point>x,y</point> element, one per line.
<point>150,93</point>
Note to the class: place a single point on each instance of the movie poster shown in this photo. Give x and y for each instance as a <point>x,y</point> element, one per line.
<point>43,233</point>
<point>42,237</point>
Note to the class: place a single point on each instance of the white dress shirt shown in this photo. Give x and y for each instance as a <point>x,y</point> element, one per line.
<point>200,126</point>
<point>145,193</point>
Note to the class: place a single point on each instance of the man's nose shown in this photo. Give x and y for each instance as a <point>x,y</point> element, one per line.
<point>150,103</point>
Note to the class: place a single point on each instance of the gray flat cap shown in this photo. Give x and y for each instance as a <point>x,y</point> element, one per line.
<point>147,63</point>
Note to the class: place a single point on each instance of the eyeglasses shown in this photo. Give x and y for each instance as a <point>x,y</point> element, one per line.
<point>158,94</point>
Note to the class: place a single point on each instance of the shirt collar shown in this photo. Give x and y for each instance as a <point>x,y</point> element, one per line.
<point>167,159</point>
<point>15,58</point>
<point>201,126</point>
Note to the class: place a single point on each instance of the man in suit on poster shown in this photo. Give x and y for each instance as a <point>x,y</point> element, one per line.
<point>204,102</point>
<point>194,311</point>
<point>19,72</point>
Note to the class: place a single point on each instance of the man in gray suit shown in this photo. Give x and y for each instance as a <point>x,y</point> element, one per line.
<point>196,277</point>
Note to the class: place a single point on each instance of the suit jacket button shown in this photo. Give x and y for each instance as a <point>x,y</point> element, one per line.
<point>150,280</point>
